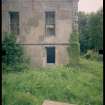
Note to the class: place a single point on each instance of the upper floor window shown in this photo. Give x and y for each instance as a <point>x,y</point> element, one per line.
<point>14,22</point>
<point>50,23</point>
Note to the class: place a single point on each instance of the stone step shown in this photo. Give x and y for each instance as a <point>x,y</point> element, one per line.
<point>48,102</point>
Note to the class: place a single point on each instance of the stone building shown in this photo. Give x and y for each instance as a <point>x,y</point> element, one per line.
<point>43,27</point>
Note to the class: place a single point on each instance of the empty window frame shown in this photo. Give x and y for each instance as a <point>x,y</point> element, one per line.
<point>50,23</point>
<point>50,54</point>
<point>14,22</point>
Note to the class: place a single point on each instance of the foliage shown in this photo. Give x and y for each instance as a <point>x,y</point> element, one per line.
<point>14,55</point>
<point>92,55</point>
<point>91,31</point>
<point>74,48</point>
<point>80,85</point>
<point>83,31</point>
<point>28,99</point>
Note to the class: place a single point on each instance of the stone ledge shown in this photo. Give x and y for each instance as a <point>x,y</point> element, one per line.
<point>48,102</point>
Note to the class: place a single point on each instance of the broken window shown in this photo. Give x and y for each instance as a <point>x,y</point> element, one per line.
<point>50,23</point>
<point>50,54</point>
<point>14,22</point>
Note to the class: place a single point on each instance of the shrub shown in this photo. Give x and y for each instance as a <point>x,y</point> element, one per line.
<point>14,53</point>
<point>74,48</point>
<point>88,54</point>
<point>92,55</point>
<point>100,58</point>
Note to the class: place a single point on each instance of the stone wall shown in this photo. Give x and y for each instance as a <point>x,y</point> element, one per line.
<point>32,27</point>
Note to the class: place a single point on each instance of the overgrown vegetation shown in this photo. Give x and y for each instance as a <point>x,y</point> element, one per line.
<point>92,55</point>
<point>80,84</point>
<point>91,31</point>
<point>13,57</point>
<point>74,48</point>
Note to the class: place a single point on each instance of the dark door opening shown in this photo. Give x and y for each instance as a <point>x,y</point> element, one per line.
<point>50,54</point>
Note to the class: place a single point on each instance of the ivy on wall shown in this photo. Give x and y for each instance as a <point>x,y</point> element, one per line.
<point>74,48</point>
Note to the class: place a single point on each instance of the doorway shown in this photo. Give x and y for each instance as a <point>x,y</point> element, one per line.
<point>50,54</point>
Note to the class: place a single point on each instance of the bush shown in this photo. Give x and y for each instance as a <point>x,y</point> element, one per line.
<point>74,48</point>
<point>88,55</point>
<point>92,55</point>
<point>13,53</point>
<point>100,58</point>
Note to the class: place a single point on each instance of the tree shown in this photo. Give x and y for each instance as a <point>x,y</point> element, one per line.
<point>95,29</point>
<point>83,19</point>
<point>14,54</point>
<point>91,31</point>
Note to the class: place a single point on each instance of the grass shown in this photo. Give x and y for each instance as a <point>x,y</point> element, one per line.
<point>80,85</point>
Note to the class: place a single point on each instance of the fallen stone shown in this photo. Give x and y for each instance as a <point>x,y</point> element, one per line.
<point>48,102</point>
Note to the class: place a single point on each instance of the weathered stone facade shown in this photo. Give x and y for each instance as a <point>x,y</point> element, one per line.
<point>32,27</point>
